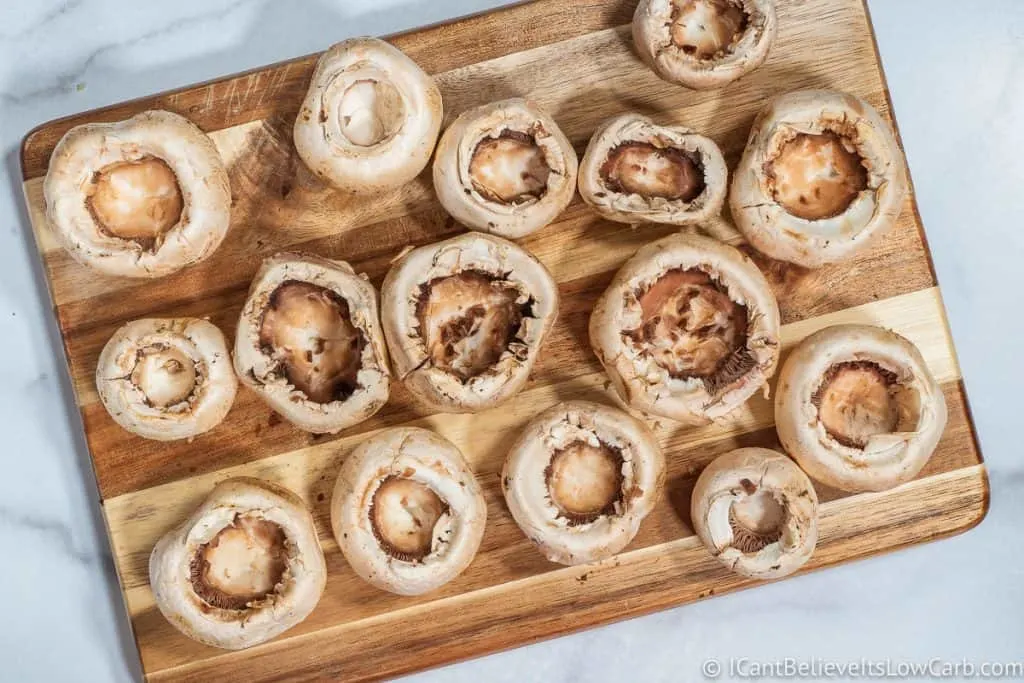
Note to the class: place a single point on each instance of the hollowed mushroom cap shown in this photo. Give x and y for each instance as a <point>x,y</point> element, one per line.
<point>370,118</point>
<point>858,408</point>
<point>822,177</point>
<point>704,44</point>
<point>245,567</point>
<point>166,379</point>
<point>636,171</point>
<point>487,305</point>
<point>309,342</point>
<point>505,168</point>
<point>580,479</point>
<point>407,511</point>
<point>688,329</point>
<point>138,198</point>
<point>756,512</point>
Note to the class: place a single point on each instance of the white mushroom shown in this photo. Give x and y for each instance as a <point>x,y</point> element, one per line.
<point>370,118</point>
<point>505,168</point>
<point>139,198</point>
<point>704,43</point>
<point>688,329</point>
<point>166,379</point>
<point>309,343</point>
<point>636,171</point>
<point>858,408</point>
<point>822,177</point>
<point>580,479</point>
<point>407,511</point>
<point>242,569</point>
<point>756,512</point>
<point>465,319</point>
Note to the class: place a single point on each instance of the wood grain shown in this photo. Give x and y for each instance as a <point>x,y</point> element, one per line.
<point>576,60</point>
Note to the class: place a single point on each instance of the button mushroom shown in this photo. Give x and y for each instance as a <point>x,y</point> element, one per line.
<point>704,43</point>
<point>242,569</point>
<point>309,343</point>
<point>505,168</point>
<point>822,177</point>
<point>407,511</point>
<point>138,198</point>
<point>370,118</point>
<point>858,408</point>
<point>688,329</point>
<point>580,479</point>
<point>756,512</point>
<point>464,320</point>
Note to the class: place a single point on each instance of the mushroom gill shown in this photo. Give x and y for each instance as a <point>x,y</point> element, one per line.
<point>509,168</point>
<point>707,28</point>
<point>242,564</point>
<point>857,400</point>
<point>135,200</point>
<point>816,176</point>
<point>403,514</point>
<point>756,519</point>
<point>644,169</point>
<point>585,481</point>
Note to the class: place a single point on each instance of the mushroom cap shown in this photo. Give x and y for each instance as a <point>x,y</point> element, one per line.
<point>736,476</point>
<point>260,371</point>
<point>638,379</point>
<point>812,243</point>
<point>524,480</point>
<point>652,24</point>
<point>453,181</point>
<point>426,458</point>
<point>403,152</point>
<point>400,293</point>
<point>888,459</point>
<point>198,169</point>
<point>205,405</point>
<point>293,598</point>
<point>628,207</point>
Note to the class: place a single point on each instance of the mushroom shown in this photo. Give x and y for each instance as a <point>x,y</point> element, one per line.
<point>636,171</point>
<point>688,329</point>
<point>858,408</point>
<point>309,343</point>
<point>822,177</point>
<point>370,118</point>
<point>166,379</point>
<point>756,512</point>
<point>407,511</point>
<point>580,479</point>
<point>245,567</point>
<point>704,44</point>
<point>138,198</point>
<point>505,168</point>
<point>465,318</point>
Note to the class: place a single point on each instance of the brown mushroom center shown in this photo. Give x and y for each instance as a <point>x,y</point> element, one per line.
<point>858,400</point>
<point>756,518</point>
<point>242,564</point>
<point>136,200</point>
<point>585,481</point>
<point>643,169</point>
<point>510,168</point>
<point>817,176</point>
<point>467,321</point>
<point>403,515</point>
<point>309,329</point>
<point>707,28</point>
<point>164,374</point>
<point>370,112</point>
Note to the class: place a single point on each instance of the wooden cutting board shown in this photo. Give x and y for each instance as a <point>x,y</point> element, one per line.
<point>576,60</point>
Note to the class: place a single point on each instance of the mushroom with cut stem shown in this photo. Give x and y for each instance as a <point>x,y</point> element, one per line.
<point>505,168</point>
<point>166,379</point>
<point>370,118</point>
<point>822,177</point>
<point>580,479</point>
<point>138,198</point>
<point>309,343</point>
<point>242,569</point>
<point>756,512</point>
<point>858,408</point>
<point>407,511</point>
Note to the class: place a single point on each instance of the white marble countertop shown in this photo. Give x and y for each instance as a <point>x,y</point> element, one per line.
<point>956,71</point>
